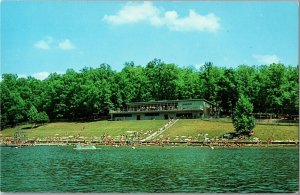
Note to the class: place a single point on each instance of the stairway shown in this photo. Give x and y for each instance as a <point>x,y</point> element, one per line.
<point>160,131</point>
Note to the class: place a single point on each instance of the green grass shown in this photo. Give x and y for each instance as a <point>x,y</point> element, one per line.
<point>192,127</point>
<point>187,127</point>
<point>88,129</point>
<point>276,132</point>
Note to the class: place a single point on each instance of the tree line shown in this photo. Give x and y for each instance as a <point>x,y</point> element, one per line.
<point>92,92</point>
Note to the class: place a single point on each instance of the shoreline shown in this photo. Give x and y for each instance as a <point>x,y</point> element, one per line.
<point>220,144</point>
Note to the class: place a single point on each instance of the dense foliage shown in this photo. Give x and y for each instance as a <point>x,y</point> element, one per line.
<point>242,118</point>
<point>36,117</point>
<point>92,92</point>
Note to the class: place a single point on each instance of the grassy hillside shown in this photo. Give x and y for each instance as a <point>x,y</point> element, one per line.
<point>276,132</point>
<point>192,127</point>
<point>112,128</point>
<point>181,130</point>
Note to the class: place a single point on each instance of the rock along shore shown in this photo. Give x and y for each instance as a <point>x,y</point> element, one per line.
<point>227,143</point>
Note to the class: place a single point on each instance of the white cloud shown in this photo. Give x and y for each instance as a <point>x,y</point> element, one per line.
<point>147,12</point>
<point>267,59</point>
<point>133,13</point>
<point>22,75</point>
<point>193,22</point>
<point>41,75</point>
<point>50,42</point>
<point>199,66</point>
<point>38,75</point>
<point>66,44</point>
<point>44,43</point>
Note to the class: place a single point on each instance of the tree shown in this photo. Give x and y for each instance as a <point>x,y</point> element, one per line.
<point>187,83</point>
<point>228,93</point>
<point>33,115</point>
<point>92,92</point>
<point>42,118</point>
<point>36,117</point>
<point>12,104</point>
<point>242,118</point>
<point>12,111</point>
<point>273,87</point>
<point>210,76</point>
<point>247,81</point>
<point>290,91</point>
<point>133,83</point>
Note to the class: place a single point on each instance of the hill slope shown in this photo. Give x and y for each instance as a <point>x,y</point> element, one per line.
<point>88,129</point>
<point>193,127</point>
<point>184,128</point>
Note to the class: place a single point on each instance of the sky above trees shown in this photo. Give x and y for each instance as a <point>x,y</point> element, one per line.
<point>38,38</point>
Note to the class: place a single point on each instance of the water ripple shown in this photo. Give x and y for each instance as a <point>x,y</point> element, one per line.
<point>149,169</point>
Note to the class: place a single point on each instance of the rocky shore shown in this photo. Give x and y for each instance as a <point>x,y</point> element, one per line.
<point>223,143</point>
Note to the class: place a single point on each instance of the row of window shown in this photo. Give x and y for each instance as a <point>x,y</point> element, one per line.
<point>154,114</point>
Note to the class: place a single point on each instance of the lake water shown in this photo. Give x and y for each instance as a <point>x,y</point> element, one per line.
<point>149,169</point>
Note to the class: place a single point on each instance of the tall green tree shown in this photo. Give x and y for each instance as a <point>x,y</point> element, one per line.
<point>187,83</point>
<point>33,115</point>
<point>13,106</point>
<point>276,86</point>
<point>43,118</point>
<point>152,72</point>
<point>211,76</point>
<point>227,94</point>
<point>37,118</point>
<point>247,82</point>
<point>290,91</point>
<point>92,92</point>
<point>133,83</point>
<point>242,118</point>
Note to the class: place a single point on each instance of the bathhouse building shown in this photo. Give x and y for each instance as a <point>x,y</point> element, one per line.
<point>165,109</point>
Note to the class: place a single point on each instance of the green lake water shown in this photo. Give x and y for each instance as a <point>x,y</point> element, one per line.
<point>149,169</point>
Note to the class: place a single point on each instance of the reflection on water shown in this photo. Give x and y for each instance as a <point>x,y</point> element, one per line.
<point>149,169</point>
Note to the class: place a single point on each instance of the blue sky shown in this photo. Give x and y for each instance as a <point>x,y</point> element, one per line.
<point>38,38</point>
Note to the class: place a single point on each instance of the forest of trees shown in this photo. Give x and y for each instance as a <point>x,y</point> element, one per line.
<point>92,92</point>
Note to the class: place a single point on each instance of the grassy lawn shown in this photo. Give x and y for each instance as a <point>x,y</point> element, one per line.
<point>112,128</point>
<point>276,132</point>
<point>192,127</point>
<point>186,128</point>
